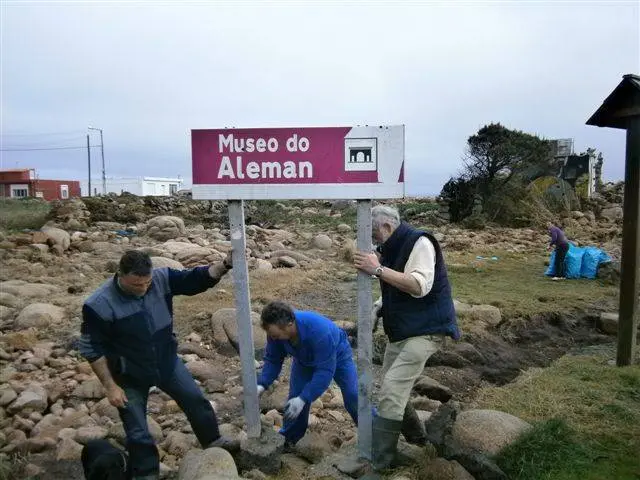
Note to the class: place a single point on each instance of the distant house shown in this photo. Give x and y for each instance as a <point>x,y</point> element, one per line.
<point>572,167</point>
<point>22,183</point>
<point>141,186</point>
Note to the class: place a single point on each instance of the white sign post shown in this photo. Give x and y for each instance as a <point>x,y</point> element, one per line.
<point>243,317</point>
<point>365,336</point>
<point>322,163</point>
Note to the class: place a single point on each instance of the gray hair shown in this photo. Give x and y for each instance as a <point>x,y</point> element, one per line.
<point>381,214</point>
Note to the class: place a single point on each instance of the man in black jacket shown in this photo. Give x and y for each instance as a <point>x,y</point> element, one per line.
<point>127,337</point>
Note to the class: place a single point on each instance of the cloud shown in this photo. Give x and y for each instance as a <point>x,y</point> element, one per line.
<point>148,74</point>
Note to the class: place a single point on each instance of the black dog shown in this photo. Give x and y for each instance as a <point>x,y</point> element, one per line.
<point>103,461</point>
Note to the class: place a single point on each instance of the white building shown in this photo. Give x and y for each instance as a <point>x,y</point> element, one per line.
<point>141,186</point>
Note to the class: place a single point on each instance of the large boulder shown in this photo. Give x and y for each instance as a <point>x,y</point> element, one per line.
<point>224,322</point>
<point>90,389</point>
<point>57,236</point>
<point>612,213</point>
<point>9,300</point>
<point>23,290</point>
<point>163,262</point>
<point>444,470</point>
<point>487,431</point>
<point>165,227</point>
<point>33,399</point>
<point>178,444</point>
<point>608,322</point>
<point>313,447</point>
<point>205,371</point>
<point>40,315</point>
<point>207,464</point>
<point>197,256</point>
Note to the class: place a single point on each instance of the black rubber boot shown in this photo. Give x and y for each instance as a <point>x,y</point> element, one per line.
<point>385,446</point>
<point>412,428</point>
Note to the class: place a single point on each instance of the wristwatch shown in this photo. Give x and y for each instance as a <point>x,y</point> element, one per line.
<point>378,271</point>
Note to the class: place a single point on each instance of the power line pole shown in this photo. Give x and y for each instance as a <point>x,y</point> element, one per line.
<point>104,175</point>
<point>89,163</point>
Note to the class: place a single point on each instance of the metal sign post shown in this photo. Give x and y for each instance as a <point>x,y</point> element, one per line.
<point>243,317</point>
<point>365,336</point>
<point>361,162</point>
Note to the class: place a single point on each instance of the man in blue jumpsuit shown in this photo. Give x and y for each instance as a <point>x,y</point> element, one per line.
<point>321,353</point>
<point>127,336</point>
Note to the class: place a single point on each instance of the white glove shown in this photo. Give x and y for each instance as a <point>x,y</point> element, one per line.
<point>376,313</point>
<point>260,390</point>
<point>293,408</point>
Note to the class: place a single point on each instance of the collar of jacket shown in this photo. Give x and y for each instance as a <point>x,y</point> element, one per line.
<point>395,241</point>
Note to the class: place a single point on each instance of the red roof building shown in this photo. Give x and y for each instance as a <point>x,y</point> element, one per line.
<point>24,183</point>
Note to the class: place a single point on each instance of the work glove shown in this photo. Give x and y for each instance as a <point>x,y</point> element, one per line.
<point>260,390</point>
<point>293,408</point>
<point>376,313</point>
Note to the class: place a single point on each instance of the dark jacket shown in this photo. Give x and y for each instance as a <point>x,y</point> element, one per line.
<point>135,334</point>
<point>405,316</point>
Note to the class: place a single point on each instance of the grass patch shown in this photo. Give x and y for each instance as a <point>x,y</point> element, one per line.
<point>549,447</point>
<point>516,284</point>
<point>23,214</point>
<point>598,436</point>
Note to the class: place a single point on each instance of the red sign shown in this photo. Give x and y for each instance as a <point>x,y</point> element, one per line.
<point>295,156</point>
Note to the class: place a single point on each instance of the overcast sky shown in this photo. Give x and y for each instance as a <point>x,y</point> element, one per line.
<point>148,73</point>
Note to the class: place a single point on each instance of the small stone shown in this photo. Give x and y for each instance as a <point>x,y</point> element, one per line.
<point>68,449</point>
<point>67,433</point>
<point>322,241</point>
<point>433,389</point>
<point>32,470</point>
<point>34,398</point>
<point>7,395</point>
<point>86,434</point>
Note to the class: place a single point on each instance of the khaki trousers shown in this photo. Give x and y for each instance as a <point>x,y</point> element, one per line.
<point>403,363</point>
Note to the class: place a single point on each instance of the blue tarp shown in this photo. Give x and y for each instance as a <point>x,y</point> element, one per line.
<point>580,262</point>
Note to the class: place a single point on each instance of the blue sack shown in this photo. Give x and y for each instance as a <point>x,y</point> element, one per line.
<point>551,269</point>
<point>591,261</point>
<point>573,261</point>
<point>580,262</point>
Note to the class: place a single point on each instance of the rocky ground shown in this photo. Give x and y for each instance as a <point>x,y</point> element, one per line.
<point>51,403</point>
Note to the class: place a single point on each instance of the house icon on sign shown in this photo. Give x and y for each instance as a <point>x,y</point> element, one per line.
<point>360,155</point>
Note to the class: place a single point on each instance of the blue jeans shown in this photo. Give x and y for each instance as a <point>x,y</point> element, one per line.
<point>346,377</point>
<point>180,386</point>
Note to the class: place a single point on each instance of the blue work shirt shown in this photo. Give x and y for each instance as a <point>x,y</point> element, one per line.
<point>321,345</point>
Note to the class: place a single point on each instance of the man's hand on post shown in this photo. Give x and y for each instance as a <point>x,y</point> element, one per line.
<point>366,262</point>
<point>116,396</point>
<point>260,390</point>
<point>217,270</point>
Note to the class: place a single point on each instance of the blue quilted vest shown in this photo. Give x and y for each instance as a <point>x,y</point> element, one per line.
<point>403,315</point>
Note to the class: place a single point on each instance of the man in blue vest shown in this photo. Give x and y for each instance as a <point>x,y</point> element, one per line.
<point>321,353</point>
<point>416,309</point>
<point>127,337</point>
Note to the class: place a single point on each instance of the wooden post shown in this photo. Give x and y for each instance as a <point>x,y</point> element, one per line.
<point>365,336</point>
<point>630,276</point>
<point>243,317</point>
